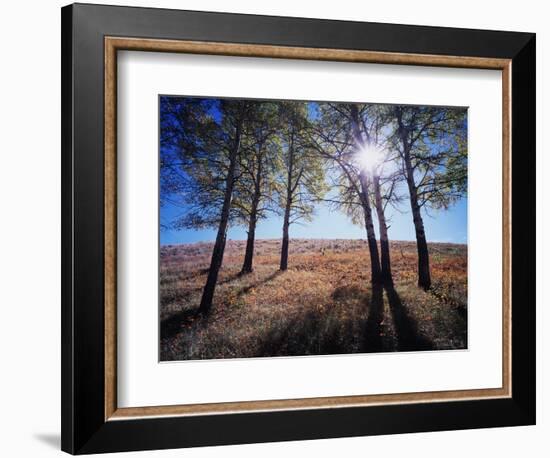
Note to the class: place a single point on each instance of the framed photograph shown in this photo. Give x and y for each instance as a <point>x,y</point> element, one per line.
<point>281,228</point>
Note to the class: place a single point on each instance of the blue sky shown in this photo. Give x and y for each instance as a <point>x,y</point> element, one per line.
<point>441,226</point>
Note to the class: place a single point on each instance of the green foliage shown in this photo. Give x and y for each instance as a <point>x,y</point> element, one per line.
<point>435,138</point>
<point>197,137</point>
<point>297,154</point>
<point>300,181</point>
<point>333,137</point>
<point>274,161</point>
<point>258,165</point>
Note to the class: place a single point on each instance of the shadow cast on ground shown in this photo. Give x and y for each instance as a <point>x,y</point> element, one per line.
<point>171,326</point>
<point>267,279</point>
<point>408,337</point>
<point>373,326</point>
<point>309,334</point>
<point>316,333</point>
<point>52,440</point>
<point>326,332</point>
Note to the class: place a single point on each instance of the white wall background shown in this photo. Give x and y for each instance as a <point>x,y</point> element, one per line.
<point>30,226</point>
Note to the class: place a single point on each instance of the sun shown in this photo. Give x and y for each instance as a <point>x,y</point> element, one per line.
<point>369,157</point>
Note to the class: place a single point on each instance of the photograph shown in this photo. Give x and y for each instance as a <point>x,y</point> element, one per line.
<point>294,228</point>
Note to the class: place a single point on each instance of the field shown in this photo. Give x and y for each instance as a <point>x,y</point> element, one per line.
<point>323,304</point>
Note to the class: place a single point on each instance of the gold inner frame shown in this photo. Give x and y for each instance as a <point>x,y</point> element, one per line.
<point>112,45</point>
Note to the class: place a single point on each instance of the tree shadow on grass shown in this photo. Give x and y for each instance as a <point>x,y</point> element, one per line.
<point>324,332</point>
<point>372,336</point>
<point>250,287</point>
<point>171,326</point>
<point>174,296</point>
<point>316,333</point>
<point>408,337</point>
<point>312,333</point>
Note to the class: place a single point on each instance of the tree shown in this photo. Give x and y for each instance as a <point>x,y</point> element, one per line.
<point>385,187</point>
<point>301,183</point>
<point>184,122</point>
<point>201,138</point>
<point>234,113</point>
<point>340,138</point>
<point>379,164</point>
<point>432,146</point>
<point>362,149</point>
<point>258,167</point>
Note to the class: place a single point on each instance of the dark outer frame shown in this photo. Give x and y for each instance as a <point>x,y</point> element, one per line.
<point>84,428</point>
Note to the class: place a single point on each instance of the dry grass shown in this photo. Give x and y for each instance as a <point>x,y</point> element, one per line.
<point>323,304</point>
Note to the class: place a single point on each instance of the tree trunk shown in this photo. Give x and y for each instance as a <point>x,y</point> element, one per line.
<point>288,206</point>
<point>284,246</point>
<point>249,253</point>
<point>424,280</point>
<point>219,245</point>
<point>376,276</point>
<point>383,229</point>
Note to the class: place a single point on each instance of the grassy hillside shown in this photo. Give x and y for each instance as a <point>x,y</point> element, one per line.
<point>323,304</point>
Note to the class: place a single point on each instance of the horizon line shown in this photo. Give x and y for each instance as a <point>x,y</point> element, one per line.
<point>306,238</point>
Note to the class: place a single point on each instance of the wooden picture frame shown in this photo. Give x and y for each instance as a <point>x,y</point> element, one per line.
<point>91,419</point>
